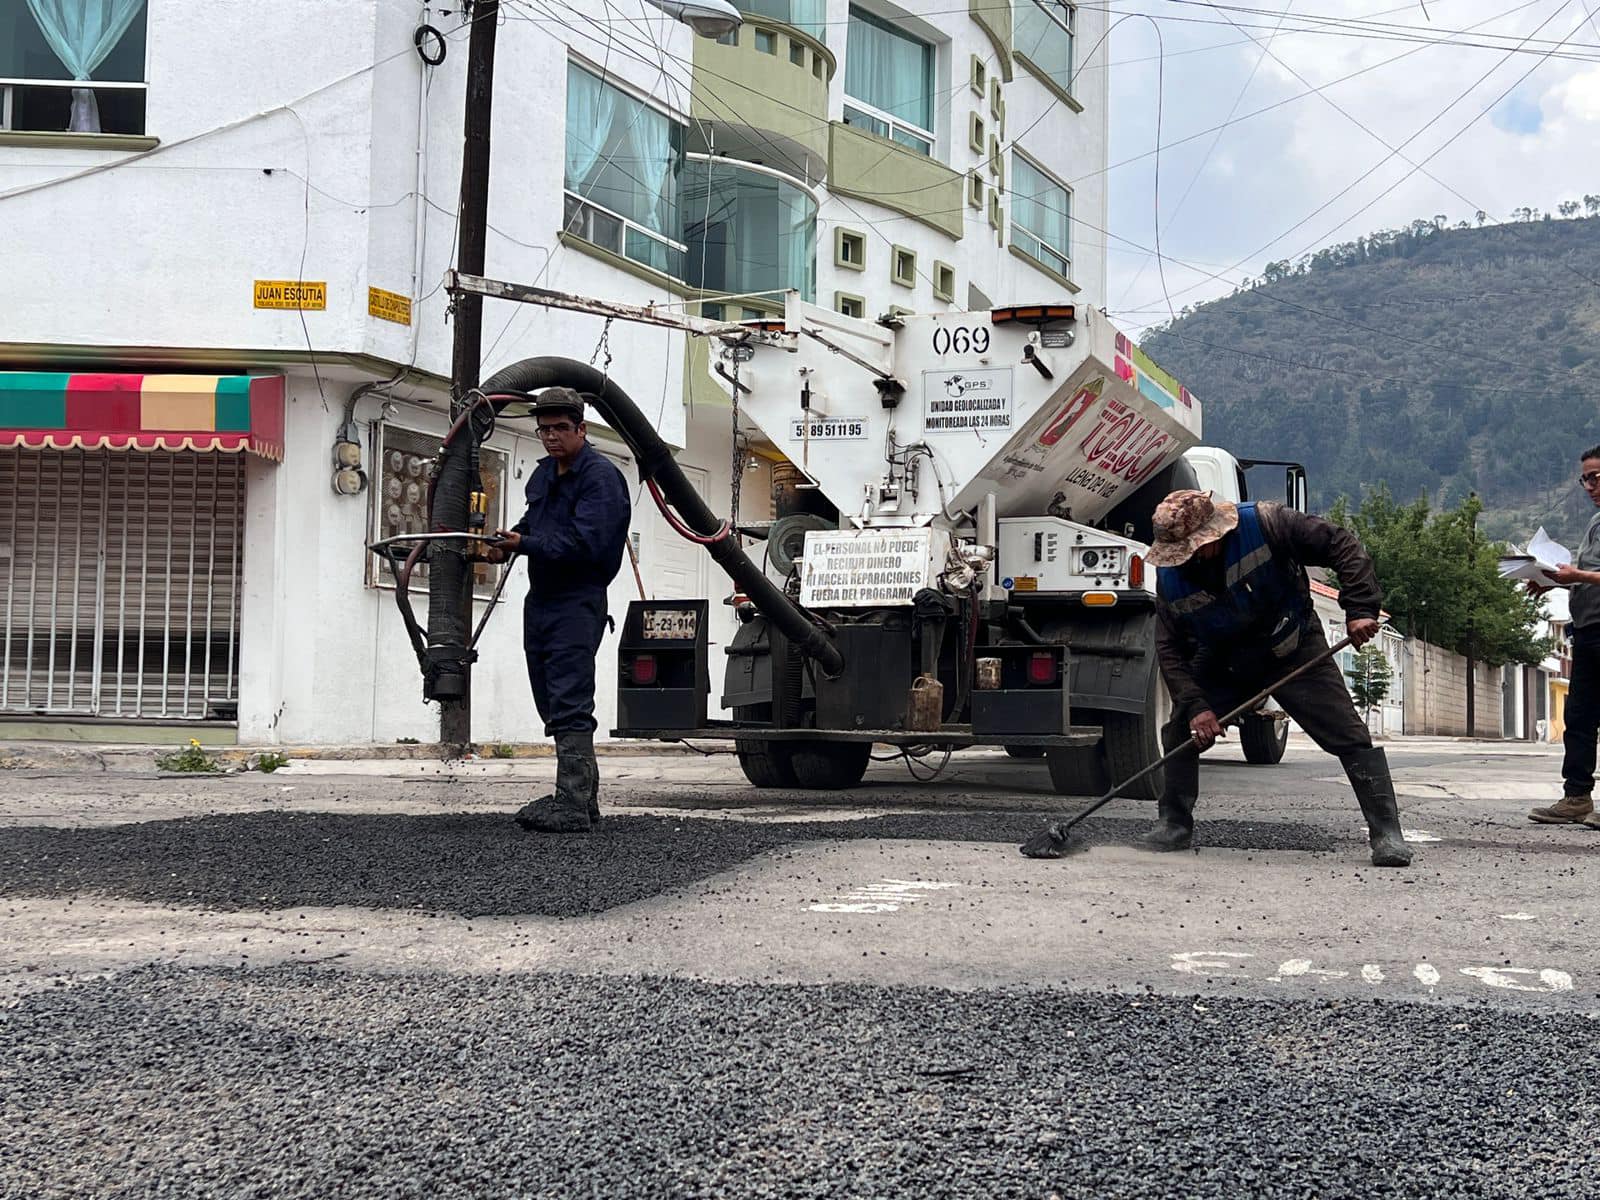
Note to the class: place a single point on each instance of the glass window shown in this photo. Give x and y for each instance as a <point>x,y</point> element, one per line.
<point>1042,33</point>
<point>889,79</point>
<point>1041,213</point>
<point>623,160</point>
<point>808,16</point>
<point>747,231</point>
<point>44,54</point>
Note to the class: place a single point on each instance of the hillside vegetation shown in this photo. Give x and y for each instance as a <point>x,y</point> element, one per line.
<point>1436,360</point>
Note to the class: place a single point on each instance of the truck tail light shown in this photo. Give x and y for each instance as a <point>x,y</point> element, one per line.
<point>1136,571</point>
<point>643,669</point>
<point>1041,668</point>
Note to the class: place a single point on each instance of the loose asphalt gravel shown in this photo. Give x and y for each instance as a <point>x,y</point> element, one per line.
<point>480,864</point>
<point>306,1082</point>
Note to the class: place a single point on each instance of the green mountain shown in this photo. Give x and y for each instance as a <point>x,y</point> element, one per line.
<point>1435,360</point>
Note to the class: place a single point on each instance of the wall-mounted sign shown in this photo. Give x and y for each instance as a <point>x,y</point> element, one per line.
<point>388,306</point>
<point>291,293</point>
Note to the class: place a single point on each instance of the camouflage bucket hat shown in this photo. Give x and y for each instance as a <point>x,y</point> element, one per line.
<point>1184,522</point>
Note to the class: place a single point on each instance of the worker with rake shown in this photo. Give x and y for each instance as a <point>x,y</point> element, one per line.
<point>1234,613</point>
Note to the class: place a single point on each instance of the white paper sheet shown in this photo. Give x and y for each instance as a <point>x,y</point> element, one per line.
<point>1542,556</point>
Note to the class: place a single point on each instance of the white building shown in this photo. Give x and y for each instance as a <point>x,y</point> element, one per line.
<point>248,224</point>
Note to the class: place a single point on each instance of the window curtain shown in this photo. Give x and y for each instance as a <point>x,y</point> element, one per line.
<point>1039,205</point>
<point>82,33</point>
<point>591,108</point>
<point>889,71</point>
<point>797,217</point>
<point>809,16</point>
<point>650,143</point>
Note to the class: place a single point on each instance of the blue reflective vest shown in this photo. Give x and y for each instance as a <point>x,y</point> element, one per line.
<point>1265,599</point>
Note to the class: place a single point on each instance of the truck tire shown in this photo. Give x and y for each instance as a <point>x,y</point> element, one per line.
<point>829,766</point>
<point>1025,751</point>
<point>1264,739</point>
<point>1132,741</point>
<point>1077,771</point>
<point>766,764</point>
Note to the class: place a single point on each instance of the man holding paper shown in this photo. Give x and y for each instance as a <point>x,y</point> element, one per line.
<point>1582,578</point>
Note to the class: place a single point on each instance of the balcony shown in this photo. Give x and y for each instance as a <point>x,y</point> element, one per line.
<point>748,229</point>
<point>885,173</point>
<point>761,93</point>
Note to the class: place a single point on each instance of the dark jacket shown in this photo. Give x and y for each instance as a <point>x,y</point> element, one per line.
<point>1297,540</point>
<point>576,527</point>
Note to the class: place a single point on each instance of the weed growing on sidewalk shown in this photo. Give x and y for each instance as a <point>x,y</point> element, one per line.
<point>271,761</point>
<point>192,759</point>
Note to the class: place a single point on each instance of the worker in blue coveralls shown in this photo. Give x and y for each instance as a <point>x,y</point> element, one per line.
<point>573,535</point>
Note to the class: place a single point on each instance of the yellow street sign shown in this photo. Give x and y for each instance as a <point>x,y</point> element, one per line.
<point>291,293</point>
<point>388,306</point>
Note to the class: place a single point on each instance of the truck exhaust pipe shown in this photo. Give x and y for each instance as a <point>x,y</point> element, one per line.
<point>447,629</point>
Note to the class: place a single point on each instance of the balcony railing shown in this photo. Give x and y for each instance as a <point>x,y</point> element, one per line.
<point>808,16</point>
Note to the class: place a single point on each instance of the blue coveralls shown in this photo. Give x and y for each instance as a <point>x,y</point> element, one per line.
<point>574,535</point>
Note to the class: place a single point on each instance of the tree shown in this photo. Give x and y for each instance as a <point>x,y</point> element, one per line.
<point>1439,578</point>
<point>1591,205</point>
<point>1480,216</point>
<point>1370,678</point>
<point>1569,208</point>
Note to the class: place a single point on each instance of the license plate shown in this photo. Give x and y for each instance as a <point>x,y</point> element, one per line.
<point>671,623</point>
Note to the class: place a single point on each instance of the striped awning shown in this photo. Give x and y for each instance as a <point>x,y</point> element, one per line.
<point>60,410</point>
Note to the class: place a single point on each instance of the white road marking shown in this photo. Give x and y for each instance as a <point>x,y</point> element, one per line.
<point>1426,975</point>
<point>1295,967</point>
<point>1518,916</point>
<point>1192,962</point>
<point>1372,973</point>
<point>883,897</point>
<point>1507,977</point>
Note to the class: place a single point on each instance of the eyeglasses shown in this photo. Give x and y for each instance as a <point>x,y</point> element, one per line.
<point>1589,478</point>
<point>550,431</point>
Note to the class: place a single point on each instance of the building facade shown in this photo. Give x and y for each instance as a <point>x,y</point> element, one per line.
<point>229,232</point>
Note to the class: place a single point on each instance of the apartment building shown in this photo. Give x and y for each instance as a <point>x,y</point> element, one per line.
<point>229,231</point>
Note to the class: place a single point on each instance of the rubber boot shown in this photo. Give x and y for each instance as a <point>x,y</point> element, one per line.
<point>567,809</point>
<point>1174,830</point>
<point>1368,771</point>
<point>582,751</point>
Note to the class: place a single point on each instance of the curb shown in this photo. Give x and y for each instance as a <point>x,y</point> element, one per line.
<point>127,758</point>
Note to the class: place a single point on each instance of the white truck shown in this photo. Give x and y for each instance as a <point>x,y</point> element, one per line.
<point>964,521</point>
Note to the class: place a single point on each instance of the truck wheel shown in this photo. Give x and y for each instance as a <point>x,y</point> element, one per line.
<point>830,766</point>
<point>1132,741</point>
<point>1264,739</point>
<point>1025,751</point>
<point>766,764</point>
<point>1077,771</point>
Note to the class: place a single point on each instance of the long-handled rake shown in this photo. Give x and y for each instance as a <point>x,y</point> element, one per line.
<point>1051,841</point>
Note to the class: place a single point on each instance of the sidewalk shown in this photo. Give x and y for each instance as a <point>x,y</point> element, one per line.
<point>125,758</point>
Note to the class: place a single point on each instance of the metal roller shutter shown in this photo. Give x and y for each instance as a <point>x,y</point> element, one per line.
<point>120,593</point>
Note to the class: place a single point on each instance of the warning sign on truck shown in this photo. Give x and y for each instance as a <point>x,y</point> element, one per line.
<point>847,570</point>
<point>966,401</point>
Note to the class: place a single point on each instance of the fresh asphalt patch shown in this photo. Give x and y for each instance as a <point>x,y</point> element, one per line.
<point>480,864</point>
<point>300,1082</point>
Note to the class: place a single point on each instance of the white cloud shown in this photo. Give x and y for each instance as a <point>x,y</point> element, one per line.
<point>1270,172</point>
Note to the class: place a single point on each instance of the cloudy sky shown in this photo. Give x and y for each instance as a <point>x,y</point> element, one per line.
<point>1231,202</point>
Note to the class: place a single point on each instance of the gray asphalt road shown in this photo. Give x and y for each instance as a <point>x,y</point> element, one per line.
<point>359,979</point>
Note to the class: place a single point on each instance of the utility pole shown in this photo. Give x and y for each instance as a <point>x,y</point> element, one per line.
<point>455,716</point>
<point>1472,593</point>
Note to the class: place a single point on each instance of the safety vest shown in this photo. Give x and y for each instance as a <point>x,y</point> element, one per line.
<point>1263,601</point>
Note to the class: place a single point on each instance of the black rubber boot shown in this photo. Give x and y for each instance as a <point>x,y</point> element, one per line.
<point>567,809</point>
<point>1175,829</point>
<point>1368,771</point>
<point>582,750</point>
